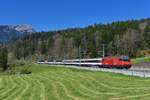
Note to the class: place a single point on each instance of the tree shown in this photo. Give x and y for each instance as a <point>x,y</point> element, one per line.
<point>3,58</point>
<point>127,38</point>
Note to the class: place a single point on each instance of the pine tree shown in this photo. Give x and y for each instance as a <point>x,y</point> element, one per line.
<point>3,58</point>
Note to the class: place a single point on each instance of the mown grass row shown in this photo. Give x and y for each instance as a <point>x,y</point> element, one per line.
<point>51,83</point>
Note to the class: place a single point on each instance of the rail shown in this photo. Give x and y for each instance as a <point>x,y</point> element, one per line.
<point>139,73</point>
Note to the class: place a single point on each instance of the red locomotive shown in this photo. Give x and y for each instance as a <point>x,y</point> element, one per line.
<point>117,62</point>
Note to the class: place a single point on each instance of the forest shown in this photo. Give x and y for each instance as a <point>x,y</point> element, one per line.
<point>130,38</point>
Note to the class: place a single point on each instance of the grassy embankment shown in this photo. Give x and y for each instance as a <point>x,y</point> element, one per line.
<point>51,83</point>
<point>141,60</point>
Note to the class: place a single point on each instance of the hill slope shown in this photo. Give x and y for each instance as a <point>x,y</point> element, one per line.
<point>129,37</point>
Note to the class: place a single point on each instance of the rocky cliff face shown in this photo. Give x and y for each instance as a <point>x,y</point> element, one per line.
<point>8,32</point>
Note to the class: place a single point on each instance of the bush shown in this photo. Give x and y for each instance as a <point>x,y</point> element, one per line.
<point>143,53</point>
<point>19,67</point>
<point>25,71</point>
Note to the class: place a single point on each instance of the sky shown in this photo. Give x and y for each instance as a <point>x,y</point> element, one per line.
<point>49,15</point>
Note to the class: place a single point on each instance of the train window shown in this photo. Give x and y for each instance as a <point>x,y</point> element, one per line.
<point>126,59</point>
<point>90,61</point>
<point>96,61</point>
<point>120,60</point>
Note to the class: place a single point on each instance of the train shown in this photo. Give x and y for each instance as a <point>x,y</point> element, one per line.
<point>122,62</point>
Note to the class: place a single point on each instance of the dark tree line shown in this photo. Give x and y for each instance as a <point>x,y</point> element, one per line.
<point>130,38</point>
<point>3,58</point>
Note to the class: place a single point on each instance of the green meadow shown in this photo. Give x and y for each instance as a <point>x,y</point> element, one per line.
<point>54,83</point>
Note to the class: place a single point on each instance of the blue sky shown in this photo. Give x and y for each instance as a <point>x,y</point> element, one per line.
<point>61,14</point>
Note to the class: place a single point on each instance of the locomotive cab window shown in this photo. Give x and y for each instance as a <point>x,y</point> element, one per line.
<point>126,59</point>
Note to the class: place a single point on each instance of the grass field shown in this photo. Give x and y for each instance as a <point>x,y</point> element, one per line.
<point>141,60</point>
<point>53,83</point>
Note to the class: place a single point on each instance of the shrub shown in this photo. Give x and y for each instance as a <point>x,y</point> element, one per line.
<point>25,71</point>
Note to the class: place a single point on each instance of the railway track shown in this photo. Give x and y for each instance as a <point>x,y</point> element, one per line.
<point>130,72</point>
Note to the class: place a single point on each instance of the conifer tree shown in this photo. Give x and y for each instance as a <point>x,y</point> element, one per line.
<point>3,58</point>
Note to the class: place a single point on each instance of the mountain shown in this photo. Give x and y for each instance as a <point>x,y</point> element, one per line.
<point>7,32</point>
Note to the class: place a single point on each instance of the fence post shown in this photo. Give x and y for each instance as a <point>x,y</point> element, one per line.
<point>144,74</point>
<point>132,72</point>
